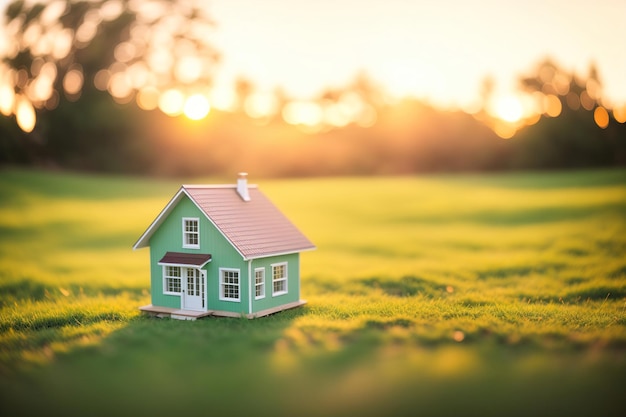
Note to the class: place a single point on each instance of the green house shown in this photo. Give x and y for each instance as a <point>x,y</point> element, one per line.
<point>223,250</point>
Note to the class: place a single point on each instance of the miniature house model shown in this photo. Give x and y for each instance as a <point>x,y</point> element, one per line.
<point>223,250</point>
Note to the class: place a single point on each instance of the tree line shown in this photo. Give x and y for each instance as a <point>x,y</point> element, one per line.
<point>353,130</point>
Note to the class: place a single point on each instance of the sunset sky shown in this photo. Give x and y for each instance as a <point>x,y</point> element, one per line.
<point>437,50</point>
<point>440,50</point>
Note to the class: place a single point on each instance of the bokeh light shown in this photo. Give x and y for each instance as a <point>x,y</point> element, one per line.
<point>504,130</point>
<point>508,109</point>
<point>120,88</point>
<point>73,82</point>
<point>196,107</point>
<point>572,100</point>
<point>101,79</point>
<point>171,102</point>
<point>587,101</point>
<point>260,105</point>
<point>7,99</point>
<point>188,69</point>
<point>159,44</point>
<point>223,98</point>
<point>552,105</point>
<point>619,113</point>
<point>601,117</point>
<point>304,113</point>
<point>148,98</point>
<point>25,114</point>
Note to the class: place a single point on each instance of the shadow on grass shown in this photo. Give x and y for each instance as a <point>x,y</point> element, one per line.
<point>224,366</point>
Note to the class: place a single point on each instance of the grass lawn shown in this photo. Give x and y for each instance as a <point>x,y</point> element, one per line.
<point>499,295</point>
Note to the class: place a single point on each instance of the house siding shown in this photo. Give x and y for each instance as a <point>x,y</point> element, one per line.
<point>293,281</point>
<point>168,237</point>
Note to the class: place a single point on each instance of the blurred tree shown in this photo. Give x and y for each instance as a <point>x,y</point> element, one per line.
<point>568,134</point>
<point>122,46</point>
<point>73,63</point>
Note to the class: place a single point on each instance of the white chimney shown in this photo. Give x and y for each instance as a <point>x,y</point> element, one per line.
<point>242,186</point>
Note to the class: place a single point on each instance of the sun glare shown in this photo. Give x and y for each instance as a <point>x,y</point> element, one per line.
<point>508,109</point>
<point>196,107</point>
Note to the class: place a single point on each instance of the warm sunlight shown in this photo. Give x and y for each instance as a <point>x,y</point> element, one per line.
<point>508,109</point>
<point>552,105</point>
<point>148,98</point>
<point>441,52</point>
<point>171,102</point>
<point>196,107</point>
<point>223,98</point>
<point>303,113</point>
<point>259,105</point>
<point>25,114</point>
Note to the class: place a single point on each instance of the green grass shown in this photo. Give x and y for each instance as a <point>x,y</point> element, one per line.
<point>434,295</point>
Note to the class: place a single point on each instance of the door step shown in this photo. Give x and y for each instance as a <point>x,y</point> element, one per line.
<point>183,317</point>
<point>175,313</point>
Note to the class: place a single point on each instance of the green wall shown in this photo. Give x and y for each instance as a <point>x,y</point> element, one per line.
<point>293,281</point>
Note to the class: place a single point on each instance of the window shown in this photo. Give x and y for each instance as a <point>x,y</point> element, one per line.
<point>171,280</point>
<point>191,233</point>
<point>229,284</point>
<point>279,279</point>
<point>259,283</point>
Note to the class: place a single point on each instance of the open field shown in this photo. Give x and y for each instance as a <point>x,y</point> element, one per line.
<point>434,295</point>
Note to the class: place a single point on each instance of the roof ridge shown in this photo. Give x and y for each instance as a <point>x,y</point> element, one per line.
<point>199,186</point>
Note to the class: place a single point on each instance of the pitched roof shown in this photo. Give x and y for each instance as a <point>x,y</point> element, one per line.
<point>189,259</point>
<point>256,228</point>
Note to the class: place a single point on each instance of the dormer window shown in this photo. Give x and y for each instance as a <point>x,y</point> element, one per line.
<point>191,233</point>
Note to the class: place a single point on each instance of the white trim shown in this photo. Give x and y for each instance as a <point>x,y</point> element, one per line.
<point>269,255</point>
<point>259,297</point>
<point>221,283</point>
<point>185,265</point>
<point>185,232</point>
<point>249,287</point>
<point>285,279</point>
<point>299,281</point>
<point>164,276</point>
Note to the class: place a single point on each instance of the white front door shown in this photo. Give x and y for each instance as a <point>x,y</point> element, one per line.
<point>193,291</point>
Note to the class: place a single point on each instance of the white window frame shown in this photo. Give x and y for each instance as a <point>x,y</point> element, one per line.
<point>259,285</point>
<point>186,233</point>
<point>284,279</point>
<point>166,276</point>
<point>223,284</point>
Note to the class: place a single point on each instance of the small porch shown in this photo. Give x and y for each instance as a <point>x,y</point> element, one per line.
<point>179,314</point>
<point>174,313</point>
